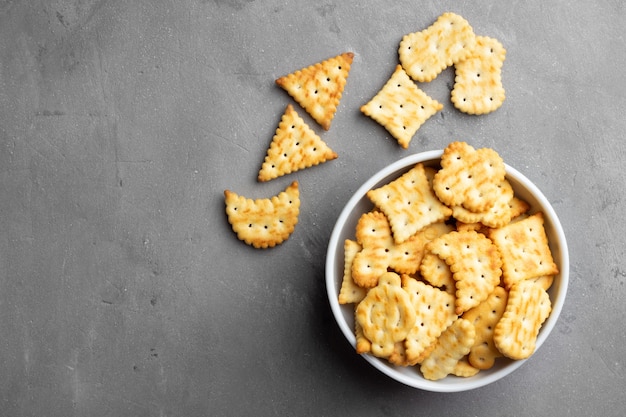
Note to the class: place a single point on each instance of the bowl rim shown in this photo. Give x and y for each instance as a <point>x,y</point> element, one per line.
<point>458,384</point>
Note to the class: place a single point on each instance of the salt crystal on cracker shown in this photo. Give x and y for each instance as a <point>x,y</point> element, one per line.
<point>401,107</point>
<point>425,54</point>
<point>318,88</point>
<point>295,146</point>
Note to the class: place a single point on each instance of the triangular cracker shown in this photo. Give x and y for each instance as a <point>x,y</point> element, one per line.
<point>409,203</point>
<point>401,107</point>
<point>295,146</point>
<point>435,312</point>
<point>264,222</point>
<point>319,87</point>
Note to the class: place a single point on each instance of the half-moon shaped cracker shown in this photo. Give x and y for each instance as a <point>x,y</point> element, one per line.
<point>266,222</point>
<point>295,146</point>
<point>319,87</point>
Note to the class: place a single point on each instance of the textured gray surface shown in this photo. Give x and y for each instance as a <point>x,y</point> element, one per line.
<point>123,291</point>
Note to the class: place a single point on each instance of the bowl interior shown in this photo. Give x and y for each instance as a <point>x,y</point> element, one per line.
<point>345,229</point>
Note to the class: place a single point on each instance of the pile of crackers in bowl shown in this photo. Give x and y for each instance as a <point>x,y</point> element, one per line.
<point>447,269</point>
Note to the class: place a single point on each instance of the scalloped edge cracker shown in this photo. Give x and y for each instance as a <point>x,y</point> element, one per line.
<point>478,81</point>
<point>425,54</point>
<point>525,250</point>
<point>469,177</point>
<point>386,314</point>
<point>485,317</point>
<point>318,88</point>
<point>409,203</point>
<point>401,107</point>
<point>350,292</point>
<point>528,306</point>
<point>267,222</point>
<point>453,344</point>
<point>295,146</point>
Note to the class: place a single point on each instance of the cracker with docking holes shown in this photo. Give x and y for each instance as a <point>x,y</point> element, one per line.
<point>425,54</point>
<point>528,306</point>
<point>363,345</point>
<point>379,251</point>
<point>409,203</point>
<point>318,88</point>
<point>506,207</point>
<point>350,292</point>
<point>401,107</point>
<point>453,344</point>
<point>436,272</point>
<point>295,146</point>
<point>386,314</point>
<point>478,81</point>
<point>525,250</point>
<point>469,177</point>
<point>485,317</point>
<point>475,264</point>
<point>435,312</point>
<point>266,222</point>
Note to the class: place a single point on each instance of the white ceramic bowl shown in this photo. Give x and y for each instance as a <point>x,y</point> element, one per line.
<point>344,314</point>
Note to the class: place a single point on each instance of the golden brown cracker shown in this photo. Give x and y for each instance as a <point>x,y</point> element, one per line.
<point>318,88</point>
<point>437,273</point>
<point>469,177</point>
<point>295,146</point>
<point>350,292</point>
<point>464,369</point>
<point>453,344</point>
<point>380,252</point>
<point>401,107</point>
<point>478,81</point>
<point>386,314</point>
<point>435,311</point>
<point>475,264</point>
<point>525,250</point>
<point>266,222</point>
<point>409,203</point>
<point>528,306</point>
<point>484,317</point>
<point>497,215</point>
<point>449,40</point>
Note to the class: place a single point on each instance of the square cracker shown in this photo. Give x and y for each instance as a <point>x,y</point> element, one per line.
<point>525,250</point>
<point>318,88</point>
<point>401,107</point>
<point>350,292</point>
<point>409,203</point>
<point>295,146</point>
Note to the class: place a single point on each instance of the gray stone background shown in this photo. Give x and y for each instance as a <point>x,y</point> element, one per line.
<point>123,290</point>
